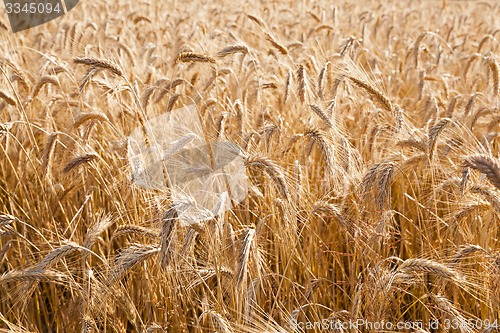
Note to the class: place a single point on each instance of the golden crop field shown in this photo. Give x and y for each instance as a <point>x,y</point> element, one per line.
<point>369,138</point>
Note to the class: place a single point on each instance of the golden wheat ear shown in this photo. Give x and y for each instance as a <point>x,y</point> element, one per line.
<point>486,165</point>
<point>168,231</point>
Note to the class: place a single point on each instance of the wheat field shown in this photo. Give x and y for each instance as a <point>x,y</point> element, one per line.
<point>370,138</point>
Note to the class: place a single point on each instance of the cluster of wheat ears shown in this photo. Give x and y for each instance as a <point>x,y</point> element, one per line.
<point>370,133</point>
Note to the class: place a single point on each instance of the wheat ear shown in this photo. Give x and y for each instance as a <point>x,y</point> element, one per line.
<point>244,256</point>
<point>374,92</point>
<point>492,62</point>
<point>7,98</point>
<point>87,158</point>
<point>101,63</point>
<point>169,227</point>
<point>272,170</point>
<point>194,57</point>
<point>487,166</point>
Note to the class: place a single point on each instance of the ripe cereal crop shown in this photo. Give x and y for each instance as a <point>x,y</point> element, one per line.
<point>300,162</point>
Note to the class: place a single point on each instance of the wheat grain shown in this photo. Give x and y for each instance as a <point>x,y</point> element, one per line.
<point>5,128</point>
<point>488,195</point>
<point>413,143</point>
<point>18,74</point>
<point>291,142</point>
<point>87,325</point>
<point>451,107</point>
<point>327,210</point>
<point>470,104</point>
<point>171,101</point>
<point>170,86</point>
<point>404,117</point>
<point>188,243</point>
<point>146,95</point>
<point>91,72</point>
<point>465,179</point>
<point>3,251</point>
<point>219,323</point>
